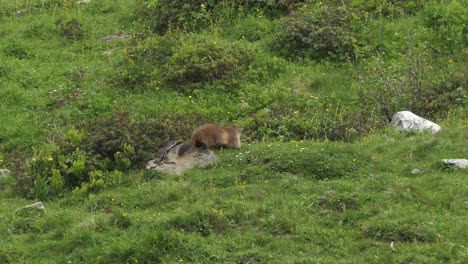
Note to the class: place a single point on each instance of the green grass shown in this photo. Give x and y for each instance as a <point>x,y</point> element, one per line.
<point>244,209</point>
<point>290,195</point>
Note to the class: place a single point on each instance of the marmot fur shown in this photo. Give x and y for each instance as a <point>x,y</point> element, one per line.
<point>216,136</point>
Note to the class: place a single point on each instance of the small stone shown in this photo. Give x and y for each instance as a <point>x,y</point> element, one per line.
<point>466,204</point>
<point>37,205</point>
<point>4,173</point>
<point>416,171</point>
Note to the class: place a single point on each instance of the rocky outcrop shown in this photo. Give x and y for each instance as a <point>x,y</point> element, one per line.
<point>168,161</point>
<point>409,122</point>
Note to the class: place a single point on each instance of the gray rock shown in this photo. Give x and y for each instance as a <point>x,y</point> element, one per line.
<point>116,36</point>
<point>4,173</point>
<point>38,205</point>
<point>168,161</point>
<point>409,122</point>
<point>457,163</point>
<point>416,171</point>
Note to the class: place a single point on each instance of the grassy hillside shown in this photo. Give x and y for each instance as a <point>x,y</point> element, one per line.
<point>89,90</point>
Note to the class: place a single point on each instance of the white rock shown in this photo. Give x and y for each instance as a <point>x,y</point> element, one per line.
<point>37,205</point>
<point>4,173</point>
<point>457,163</point>
<point>416,171</point>
<point>409,122</point>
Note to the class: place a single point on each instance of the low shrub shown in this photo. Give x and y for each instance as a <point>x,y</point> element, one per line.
<point>93,156</point>
<point>5,256</point>
<point>183,65</point>
<point>392,8</point>
<point>71,30</point>
<point>400,230</point>
<point>24,220</point>
<point>16,50</point>
<point>201,63</point>
<point>250,28</point>
<point>164,15</point>
<point>317,31</point>
<point>411,83</point>
<point>142,57</point>
<point>448,21</point>
<point>310,118</point>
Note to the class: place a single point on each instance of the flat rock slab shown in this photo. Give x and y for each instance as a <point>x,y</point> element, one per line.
<point>457,163</point>
<point>409,122</point>
<point>116,36</point>
<point>168,161</point>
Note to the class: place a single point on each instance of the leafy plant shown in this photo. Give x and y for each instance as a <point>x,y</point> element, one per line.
<point>410,84</point>
<point>449,24</point>
<point>142,56</point>
<point>164,15</point>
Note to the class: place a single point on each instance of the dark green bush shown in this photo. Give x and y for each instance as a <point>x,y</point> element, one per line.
<point>93,156</point>
<point>168,62</point>
<point>391,8</point>
<point>201,63</point>
<point>142,57</point>
<point>441,95</point>
<point>5,256</point>
<point>17,50</point>
<point>303,118</point>
<point>411,83</point>
<point>72,30</point>
<point>164,15</point>
<point>319,31</point>
<point>107,135</point>
<point>449,24</point>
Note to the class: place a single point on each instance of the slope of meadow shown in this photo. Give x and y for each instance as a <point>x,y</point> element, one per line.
<point>89,90</point>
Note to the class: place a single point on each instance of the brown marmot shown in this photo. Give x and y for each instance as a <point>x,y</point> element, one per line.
<point>210,135</point>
